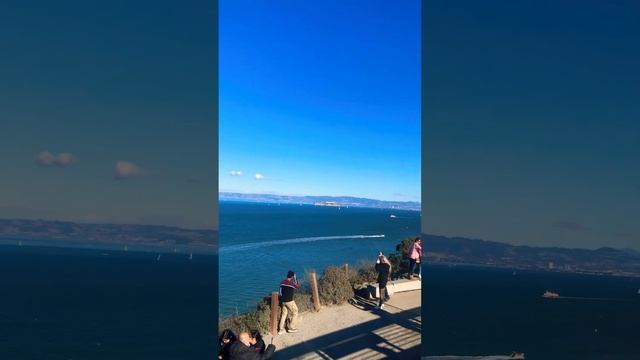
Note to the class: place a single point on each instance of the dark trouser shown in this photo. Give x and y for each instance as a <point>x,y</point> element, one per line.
<point>382,297</point>
<point>412,267</point>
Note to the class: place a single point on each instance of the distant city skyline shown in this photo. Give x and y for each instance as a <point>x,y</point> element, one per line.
<point>320,98</point>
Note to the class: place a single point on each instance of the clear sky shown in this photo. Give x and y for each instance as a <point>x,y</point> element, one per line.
<point>108,82</point>
<point>320,98</point>
<point>533,121</point>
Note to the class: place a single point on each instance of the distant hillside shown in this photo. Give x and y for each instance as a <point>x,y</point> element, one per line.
<point>481,252</point>
<point>118,233</point>
<point>340,200</point>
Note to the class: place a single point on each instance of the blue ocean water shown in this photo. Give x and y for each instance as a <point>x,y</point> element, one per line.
<point>259,243</point>
<point>483,311</point>
<point>66,303</point>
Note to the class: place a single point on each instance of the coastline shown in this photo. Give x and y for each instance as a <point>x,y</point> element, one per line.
<point>110,246</point>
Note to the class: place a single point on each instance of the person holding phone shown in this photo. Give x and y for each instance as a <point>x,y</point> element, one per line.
<point>415,258</point>
<point>383,267</point>
<point>241,349</point>
<point>288,287</point>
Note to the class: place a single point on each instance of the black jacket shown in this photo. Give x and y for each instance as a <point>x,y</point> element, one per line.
<point>383,270</point>
<point>258,347</point>
<point>240,351</point>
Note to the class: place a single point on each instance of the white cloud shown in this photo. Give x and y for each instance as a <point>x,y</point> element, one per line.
<point>47,159</point>
<point>259,176</point>
<point>126,170</point>
<point>235,173</point>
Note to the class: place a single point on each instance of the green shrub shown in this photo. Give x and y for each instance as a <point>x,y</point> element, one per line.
<point>364,274</point>
<point>334,286</point>
<point>399,264</point>
<point>303,300</point>
<point>258,319</point>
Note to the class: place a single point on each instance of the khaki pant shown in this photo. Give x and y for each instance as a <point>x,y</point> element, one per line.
<point>293,309</point>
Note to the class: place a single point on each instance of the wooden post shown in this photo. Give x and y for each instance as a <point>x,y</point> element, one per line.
<point>346,269</point>
<point>314,291</point>
<point>274,313</point>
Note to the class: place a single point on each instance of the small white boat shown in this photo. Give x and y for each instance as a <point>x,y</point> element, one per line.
<point>191,256</point>
<point>158,258</point>
<point>392,216</point>
<point>550,295</point>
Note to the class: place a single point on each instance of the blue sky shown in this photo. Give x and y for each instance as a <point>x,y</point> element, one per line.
<point>108,82</point>
<point>320,98</point>
<point>533,122</point>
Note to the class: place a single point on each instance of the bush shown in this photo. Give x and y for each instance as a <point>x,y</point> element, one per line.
<point>334,286</point>
<point>364,274</point>
<point>258,319</point>
<point>400,265</point>
<point>303,301</point>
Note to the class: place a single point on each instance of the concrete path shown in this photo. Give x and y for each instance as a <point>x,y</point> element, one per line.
<point>357,331</point>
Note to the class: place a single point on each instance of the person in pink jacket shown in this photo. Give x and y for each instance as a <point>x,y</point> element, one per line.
<point>415,258</point>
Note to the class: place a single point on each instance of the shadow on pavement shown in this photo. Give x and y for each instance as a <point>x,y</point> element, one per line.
<point>391,336</point>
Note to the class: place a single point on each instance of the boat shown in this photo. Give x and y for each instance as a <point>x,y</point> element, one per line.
<point>125,248</point>
<point>392,216</point>
<point>550,295</point>
<point>191,256</point>
<point>517,355</point>
<point>158,258</point>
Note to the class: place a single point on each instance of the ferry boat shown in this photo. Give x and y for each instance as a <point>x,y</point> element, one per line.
<point>550,295</point>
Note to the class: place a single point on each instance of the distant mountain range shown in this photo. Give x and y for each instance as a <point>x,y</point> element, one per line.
<point>311,200</point>
<point>605,260</point>
<point>438,249</point>
<point>110,233</point>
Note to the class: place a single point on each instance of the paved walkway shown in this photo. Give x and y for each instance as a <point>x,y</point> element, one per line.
<point>357,331</point>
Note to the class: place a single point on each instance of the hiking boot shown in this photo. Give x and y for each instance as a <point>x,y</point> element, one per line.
<point>292,330</point>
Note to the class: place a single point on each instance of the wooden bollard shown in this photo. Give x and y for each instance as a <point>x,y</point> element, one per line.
<point>274,313</point>
<point>314,291</point>
<point>346,269</point>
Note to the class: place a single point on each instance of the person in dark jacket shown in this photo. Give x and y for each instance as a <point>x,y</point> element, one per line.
<point>241,349</point>
<point>383,267</point>
<point>226,339</point>
<point>257,344</point>
<point>288,287</point>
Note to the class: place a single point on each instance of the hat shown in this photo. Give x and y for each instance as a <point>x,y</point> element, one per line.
<point>290,274</point>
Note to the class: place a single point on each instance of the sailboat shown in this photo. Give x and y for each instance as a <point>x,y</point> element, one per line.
<point>191,256</point>
<point>158,258</point>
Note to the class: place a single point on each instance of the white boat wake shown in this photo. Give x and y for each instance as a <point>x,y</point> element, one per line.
<point>249,246</point>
